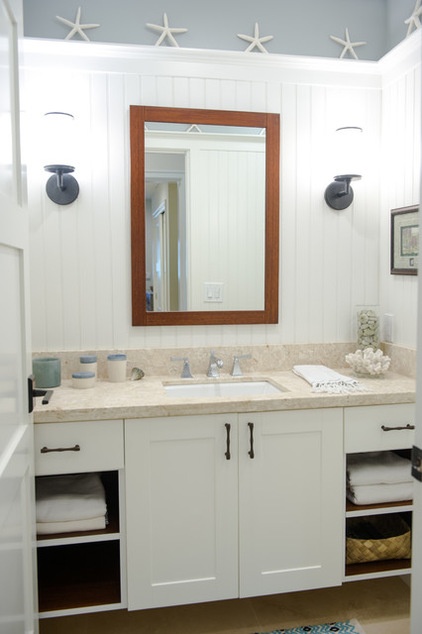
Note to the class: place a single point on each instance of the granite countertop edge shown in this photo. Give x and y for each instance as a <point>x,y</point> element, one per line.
<point>147,398</point>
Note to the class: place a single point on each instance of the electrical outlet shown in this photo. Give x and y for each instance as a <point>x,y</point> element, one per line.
<point>388,328</point>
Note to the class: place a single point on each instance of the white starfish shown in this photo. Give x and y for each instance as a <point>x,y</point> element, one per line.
<point>166,31</point>
<point>414,21</point>
<point>348,45</point>
<point>76,26</point>
<point>255,41</point>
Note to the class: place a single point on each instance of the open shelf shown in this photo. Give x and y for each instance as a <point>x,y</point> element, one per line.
<point>82,569</point>
<point>111,486</point>
<point>362,513</point>
<point>78,575</point>
<point>372,568</point>
<point>374,509</point>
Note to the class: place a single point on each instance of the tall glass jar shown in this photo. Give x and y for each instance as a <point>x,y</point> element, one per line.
<point>368,332</point>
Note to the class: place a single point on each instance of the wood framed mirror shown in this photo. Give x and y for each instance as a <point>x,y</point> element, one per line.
<point>204,216</point>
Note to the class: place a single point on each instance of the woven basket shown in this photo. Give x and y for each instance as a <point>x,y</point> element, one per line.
<point>376,538</point>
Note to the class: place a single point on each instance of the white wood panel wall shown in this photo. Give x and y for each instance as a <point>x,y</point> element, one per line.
<point>330,261</point>
<point>400,187</point>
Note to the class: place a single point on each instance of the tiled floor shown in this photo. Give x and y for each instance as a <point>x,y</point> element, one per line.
<point>381,606</point>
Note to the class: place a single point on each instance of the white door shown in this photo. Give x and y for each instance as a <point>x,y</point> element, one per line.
<point>416,603</point>
<point>291,500</point>
<point>160,279</point>
<point>16,474</point>
<point>181,505</point>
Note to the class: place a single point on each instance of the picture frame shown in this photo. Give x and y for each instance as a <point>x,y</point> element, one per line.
<point>404,240</point>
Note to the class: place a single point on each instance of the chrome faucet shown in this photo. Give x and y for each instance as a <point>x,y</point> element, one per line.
<point>214,365</point>
<point>186,372</point>
<point>236,369</point>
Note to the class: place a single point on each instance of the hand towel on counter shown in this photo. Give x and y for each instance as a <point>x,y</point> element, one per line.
<point>380,493</point>
<point>377,467</point>
<point>69,498</point>
<point>71,526</point>
<point>324,379</point>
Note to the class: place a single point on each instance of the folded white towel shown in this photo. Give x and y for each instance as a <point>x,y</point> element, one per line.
<point>324,379</point>
<point>378,467</point>
<point>379,493</point>
<point>69,497</point>
<point>92,524</point>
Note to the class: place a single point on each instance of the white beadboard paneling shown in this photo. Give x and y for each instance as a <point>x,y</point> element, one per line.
<point>330,261</point>
<point>400,183</point>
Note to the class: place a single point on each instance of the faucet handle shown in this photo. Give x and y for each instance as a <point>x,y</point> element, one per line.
<point>186,372</point>
<point>214,359</point>
<point>236,369</point>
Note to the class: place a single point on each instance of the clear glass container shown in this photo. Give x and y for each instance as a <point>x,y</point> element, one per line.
<point>367,327</point>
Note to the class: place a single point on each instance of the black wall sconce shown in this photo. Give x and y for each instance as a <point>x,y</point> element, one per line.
<point>339,193</point>
<point>61,188</point>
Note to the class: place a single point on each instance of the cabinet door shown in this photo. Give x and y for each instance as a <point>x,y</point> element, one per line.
<point>291,501</point>
<point>182,513</point>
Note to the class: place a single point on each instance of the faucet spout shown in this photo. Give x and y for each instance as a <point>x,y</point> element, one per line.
<point>214,366</point>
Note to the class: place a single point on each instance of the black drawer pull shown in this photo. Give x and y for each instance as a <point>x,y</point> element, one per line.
<point>48,450</point>
<point>251,452</point>
<point>408,426</point>
<point>227,454</point>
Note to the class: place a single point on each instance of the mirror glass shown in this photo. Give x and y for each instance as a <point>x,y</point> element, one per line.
<point>204,216</point>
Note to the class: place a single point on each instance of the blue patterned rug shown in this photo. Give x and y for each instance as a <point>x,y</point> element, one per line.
<point>345,627</point>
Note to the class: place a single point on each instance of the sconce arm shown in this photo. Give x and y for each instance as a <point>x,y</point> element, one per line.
<point>339,194</point>
<point>62,188</point>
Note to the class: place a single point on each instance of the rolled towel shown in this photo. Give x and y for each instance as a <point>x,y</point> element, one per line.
<point>380,493</point>
<point>92,524</point>
<point>70,497</point>
<point>324,379</point>
<point>378,467</point>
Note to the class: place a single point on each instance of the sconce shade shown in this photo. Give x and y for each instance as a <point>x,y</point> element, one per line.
<point>61,188</point>
<point>348,154</point>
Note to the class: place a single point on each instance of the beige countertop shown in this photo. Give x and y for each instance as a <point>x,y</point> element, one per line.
<point>147,398</point>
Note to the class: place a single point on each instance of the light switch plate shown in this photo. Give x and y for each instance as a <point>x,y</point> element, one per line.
<point>213,291</point>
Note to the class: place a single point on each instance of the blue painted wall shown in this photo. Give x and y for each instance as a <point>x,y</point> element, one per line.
<point>300,27</point>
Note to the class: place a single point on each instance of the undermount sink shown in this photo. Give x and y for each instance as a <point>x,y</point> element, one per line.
<point>257,387</point>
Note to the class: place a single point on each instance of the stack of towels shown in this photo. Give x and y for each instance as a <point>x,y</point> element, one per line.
<point>377,477</point>
<point>69,503</point>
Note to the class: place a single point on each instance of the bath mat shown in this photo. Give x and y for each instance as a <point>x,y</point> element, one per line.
<point>343,627</point>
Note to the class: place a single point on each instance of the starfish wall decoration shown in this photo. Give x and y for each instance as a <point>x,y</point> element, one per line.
<point>255,40</point>
<point>348,45</point>
<point>76,26</point>
<point>414,22</point>
<point>166,31</point>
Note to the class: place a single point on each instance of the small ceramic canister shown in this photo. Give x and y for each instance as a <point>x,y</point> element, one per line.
<point>47,372</point>
<point>83,380</point>
<point>116,367</point>
<point>88,363</point>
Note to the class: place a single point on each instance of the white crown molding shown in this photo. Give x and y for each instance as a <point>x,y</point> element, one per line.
<point>152,60</point>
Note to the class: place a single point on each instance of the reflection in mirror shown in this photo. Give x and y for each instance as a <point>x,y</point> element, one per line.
<point>204,216</point>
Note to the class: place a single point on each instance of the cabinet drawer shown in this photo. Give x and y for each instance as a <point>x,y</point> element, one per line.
<point>363,429</point>
<point>100,447</point>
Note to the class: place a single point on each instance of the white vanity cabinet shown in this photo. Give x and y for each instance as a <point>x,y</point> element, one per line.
<point>291,500</point>
<point>83,571</point>
<point>181,507</point>
<point>186,478</point>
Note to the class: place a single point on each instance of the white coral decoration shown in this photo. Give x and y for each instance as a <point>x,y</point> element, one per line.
<point>368,362</point>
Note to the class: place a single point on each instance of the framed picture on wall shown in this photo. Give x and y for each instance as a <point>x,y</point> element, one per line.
<point>404,241</point>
